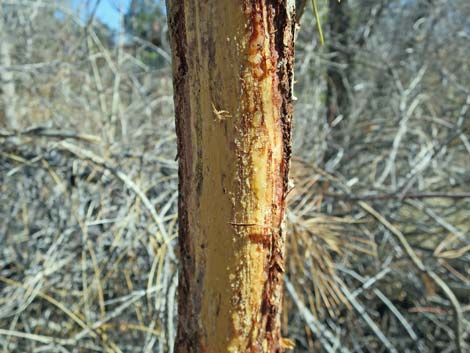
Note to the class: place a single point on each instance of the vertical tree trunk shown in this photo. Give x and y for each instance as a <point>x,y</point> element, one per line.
<point>7,85</point>
<point>233,73</point>
<point>337,99</point>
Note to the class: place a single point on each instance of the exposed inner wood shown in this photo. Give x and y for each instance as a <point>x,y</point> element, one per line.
<point>232,78</point>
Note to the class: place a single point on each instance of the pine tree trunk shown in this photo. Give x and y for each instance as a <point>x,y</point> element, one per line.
<point>233,74</point>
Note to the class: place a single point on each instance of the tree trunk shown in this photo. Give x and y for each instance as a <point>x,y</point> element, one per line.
<point>337,98</point>
<point>233,74</point>
<point>7,84</point>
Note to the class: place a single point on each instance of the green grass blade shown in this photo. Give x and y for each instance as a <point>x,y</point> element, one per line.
<point>317,19</point>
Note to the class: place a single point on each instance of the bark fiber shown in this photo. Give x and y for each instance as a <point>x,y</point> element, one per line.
<point>233,74</point>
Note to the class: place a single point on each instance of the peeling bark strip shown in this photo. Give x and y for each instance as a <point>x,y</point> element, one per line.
<point>232,67</point>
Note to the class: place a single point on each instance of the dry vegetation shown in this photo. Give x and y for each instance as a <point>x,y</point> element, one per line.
<point>379,217</point>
